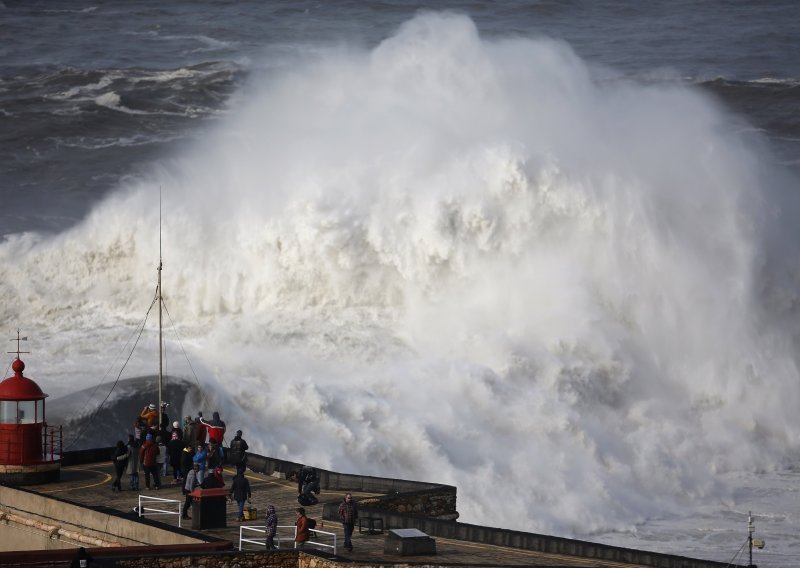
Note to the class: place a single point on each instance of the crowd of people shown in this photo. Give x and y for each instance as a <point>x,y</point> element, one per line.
<point>195,453</point>
<point>190,450</point>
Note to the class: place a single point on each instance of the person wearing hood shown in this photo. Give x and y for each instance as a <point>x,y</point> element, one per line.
<point>216,428</point>
<point>271,526</point>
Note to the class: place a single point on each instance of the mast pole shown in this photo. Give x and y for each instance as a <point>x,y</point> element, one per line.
<point>750,529</point>
<point>160,333</point>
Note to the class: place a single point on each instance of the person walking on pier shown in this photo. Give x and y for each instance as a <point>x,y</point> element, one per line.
<point>271,526</point>
<point>240,491</point>
<point>348,513</point>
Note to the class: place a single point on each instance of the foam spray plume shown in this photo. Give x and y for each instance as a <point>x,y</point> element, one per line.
<point>465,261</point>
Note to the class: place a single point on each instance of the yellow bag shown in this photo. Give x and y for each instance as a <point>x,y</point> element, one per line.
<point>250,514</point>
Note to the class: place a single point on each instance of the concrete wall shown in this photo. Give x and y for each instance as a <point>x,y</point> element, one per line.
<point>30,512</point>
<point>21,537</point>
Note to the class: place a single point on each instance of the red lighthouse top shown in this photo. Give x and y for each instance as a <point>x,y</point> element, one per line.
<point>19,387</point>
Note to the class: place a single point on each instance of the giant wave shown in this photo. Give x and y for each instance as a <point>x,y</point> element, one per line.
<point>461,260</point>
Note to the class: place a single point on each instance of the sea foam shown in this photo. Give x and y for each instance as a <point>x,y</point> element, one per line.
<point>457,260</point>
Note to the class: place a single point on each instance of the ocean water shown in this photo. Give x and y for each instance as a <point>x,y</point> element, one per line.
<point>543,251</point>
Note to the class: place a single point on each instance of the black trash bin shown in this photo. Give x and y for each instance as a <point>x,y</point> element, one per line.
<point>209,508</point>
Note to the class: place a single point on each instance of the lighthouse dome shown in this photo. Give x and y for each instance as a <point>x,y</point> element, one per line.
<point>20,387</point>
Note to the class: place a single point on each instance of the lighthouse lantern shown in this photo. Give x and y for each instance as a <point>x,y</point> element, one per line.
<point>30,450</point>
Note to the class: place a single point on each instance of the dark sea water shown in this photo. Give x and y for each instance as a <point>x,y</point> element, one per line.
<point>91,92</point>
<point>544,246</point>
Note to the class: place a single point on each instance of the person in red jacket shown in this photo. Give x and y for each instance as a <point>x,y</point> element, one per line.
<point>148,454</point>
<point>302,528</point>
<point>216,428</point>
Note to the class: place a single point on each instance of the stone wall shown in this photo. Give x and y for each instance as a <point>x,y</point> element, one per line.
<point>437,503</point>
<point>277,559</point>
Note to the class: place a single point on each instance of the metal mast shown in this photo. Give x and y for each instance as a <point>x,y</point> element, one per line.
<point>160,338</point>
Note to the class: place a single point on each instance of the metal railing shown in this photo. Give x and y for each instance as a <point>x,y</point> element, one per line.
<point>315,534</point>
<point>262,541</point>
<point>260,529</point>
<point>145,499</point>
<point>52,443</point>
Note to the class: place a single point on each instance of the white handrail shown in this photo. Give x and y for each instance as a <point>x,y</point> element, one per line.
<point>318,532</point>
<point>262,542</point>
<point>261,529</point>
<point>151,511</point>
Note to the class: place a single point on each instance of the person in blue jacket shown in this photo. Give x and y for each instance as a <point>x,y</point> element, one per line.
<point>200,459</point>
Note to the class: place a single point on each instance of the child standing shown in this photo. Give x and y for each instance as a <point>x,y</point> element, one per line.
<point>271,523</point>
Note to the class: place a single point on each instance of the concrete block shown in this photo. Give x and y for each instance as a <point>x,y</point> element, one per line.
<point>408,542</point>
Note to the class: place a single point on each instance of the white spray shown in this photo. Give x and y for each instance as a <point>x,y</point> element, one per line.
<point>457,260</point>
